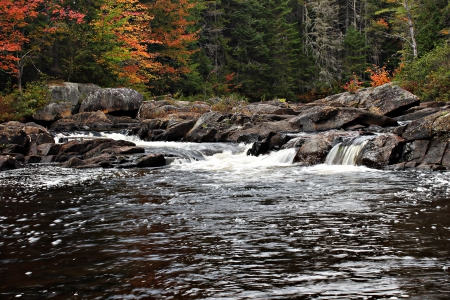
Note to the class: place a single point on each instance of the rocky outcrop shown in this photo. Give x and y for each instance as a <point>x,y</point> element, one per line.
<point>323,118</point>
<point>436,125</point>
<point>83,121</point>
<point>73,93</point>
<point>53,112</point>
<point>386,100</point>
<point>382,151</point>
<point>122,101</point>
<point>163,108</point>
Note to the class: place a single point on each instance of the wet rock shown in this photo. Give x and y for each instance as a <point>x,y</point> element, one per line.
<point>314,150</point>
<point>256,132</point>
<point>83,121</point>
<point>273,142</point>
<point>382,151</point>
<point>435,125</point>
<point>387,100</point>
<point>48,149</point>
<point>323,118</point>
<point>151,160</point>
<point>25,137</point>
<point>178,128</point>
<point>8,162</point>
<point>207,126</point>
<point>33,159</point>
<point>121,101</point>
<point>418,114</point>
<point>53,112</point>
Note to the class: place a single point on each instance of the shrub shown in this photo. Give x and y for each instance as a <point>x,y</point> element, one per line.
<point>19,105</point>
<point>429,76</point>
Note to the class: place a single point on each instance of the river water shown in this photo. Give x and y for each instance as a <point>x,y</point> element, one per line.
<point>217,224</point>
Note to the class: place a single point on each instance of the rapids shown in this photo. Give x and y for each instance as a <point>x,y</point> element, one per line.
<point>218,224</point>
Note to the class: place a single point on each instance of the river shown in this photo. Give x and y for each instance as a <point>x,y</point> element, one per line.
<point>217,224</point>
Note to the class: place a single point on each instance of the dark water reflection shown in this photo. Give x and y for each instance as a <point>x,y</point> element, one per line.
<point>191,232</point>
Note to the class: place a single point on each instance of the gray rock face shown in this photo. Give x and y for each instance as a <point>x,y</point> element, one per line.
<point>162,108</point>
<point>382,151</point>
<point>53,112</point>
<point>322,118</point>
<point>387,100</point>
<point>71,92</point>
<point>113,100</point>
<point>435,125</point>
<point>88,120</point>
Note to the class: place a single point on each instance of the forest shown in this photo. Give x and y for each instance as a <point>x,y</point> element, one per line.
<point>298,50</point>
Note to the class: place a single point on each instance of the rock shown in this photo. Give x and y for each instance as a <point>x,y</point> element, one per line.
<point>164,108</point>
<point>314,150</point>
<point>72,93</point>
<point>263,108</point>
<point>23,136</point>
<point>53,111</point>
<point>418,114</point>
<point>73,163</point>
<point>382,151</point>
<point>151,160</point>
<point>83,121</point>
<point>273,142</point>
<point>387,100</point>
<point>120,101</point>
<point>207,126</point>
<point>178,128</point>
<point>435,125</point>
<point>255,132</point>
<point>8,162</point>
<point>322,118</point>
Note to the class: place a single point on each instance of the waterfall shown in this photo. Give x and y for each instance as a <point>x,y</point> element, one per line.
<point>347,152</point>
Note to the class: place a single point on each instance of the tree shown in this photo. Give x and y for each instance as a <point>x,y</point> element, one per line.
<point>324,38</point>
<point>26,25</point>
<point>123,25</point>
<point>172,37</point>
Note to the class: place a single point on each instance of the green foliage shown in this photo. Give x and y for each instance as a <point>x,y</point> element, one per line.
<point>19,105</point>
<point>429,76</point>
<point>354,61</point>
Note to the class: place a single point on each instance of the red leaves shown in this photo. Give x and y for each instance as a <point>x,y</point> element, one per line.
<point>19,14</point>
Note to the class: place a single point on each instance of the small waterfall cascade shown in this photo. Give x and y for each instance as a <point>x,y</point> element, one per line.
<point>347,152</point>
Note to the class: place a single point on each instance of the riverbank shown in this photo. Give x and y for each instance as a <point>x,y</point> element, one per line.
<point>401,132</point>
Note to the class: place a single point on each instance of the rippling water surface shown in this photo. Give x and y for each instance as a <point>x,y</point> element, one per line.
<point>224,227</point>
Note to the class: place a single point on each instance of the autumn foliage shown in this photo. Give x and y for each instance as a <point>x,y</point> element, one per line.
<point>378,75</point>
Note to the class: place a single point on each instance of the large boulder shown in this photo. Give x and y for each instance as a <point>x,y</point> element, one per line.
<point>387,100</point>
<point>207,126</point>
<point>382,151</point>
<point>53,112</point>
<point>315,148</point>
<point>83,121</point>
<point>435,125</point>
<point>322,118</point>
<point>23,138</point>
<point>119,101</point>
<point>71,92</point>
<point>8,162</point>
<point>164,108</point>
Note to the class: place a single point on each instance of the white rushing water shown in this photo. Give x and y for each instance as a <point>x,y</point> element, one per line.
<point>218,224</point>
<point>347,152</point>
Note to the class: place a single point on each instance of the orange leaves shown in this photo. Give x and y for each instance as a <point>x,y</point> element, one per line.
<point>378,75</point>
<point>22,14</point>
<point>382,22</point>
<point>125,26</point>
<point>353,85</point>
